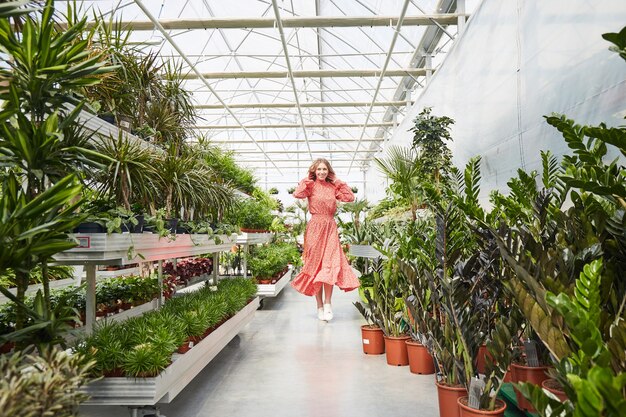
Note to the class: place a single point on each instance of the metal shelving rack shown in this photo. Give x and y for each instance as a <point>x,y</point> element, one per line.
<point>127,248</point>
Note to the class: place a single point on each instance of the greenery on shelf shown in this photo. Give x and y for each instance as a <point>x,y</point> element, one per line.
<point>224,162</point>
<point>143,346</point>
<point>251,213</point>
<point>269,260</point>
<point>44,154</point>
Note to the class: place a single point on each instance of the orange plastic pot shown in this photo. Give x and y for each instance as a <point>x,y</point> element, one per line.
<point>420,360</point>
<point>555,388</point>
<point>372,339</point>
<point>481,358</point>
<point>466,411</point>
<point>448,397</point>
<point>395,350</point>
<point>534,375</point>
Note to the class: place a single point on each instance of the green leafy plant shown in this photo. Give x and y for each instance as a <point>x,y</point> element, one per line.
<point>589,375</point>
<point>430,134</point>
<point>47,384</point>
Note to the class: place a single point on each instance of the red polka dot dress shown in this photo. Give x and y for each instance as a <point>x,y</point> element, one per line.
<point>324,260</point>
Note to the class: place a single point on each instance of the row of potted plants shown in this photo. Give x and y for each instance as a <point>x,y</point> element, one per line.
<point>143,346</point>
<point>535,279</point>
<point>113,295</point>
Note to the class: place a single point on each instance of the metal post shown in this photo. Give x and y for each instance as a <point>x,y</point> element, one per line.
<point>244,261</point>
<point>216,266</point>
<point>160,278</point>
<point>364,185</point>
<point>460,9</point>
<point>90,299</point>
<point>428,61</point>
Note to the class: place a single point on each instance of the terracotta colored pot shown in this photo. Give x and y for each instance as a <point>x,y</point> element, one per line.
<point>420,360</point>
<point>508,377</point>
<point>466,411</point>
<point>7,347</point>
<point>534,375</point>
<point>184,348</point>
<point>114,373</point>
<point>555,388</point>
<point>395,350</point>
<point>448,397</point>
<point>372,338</point>
<point>481,358</point>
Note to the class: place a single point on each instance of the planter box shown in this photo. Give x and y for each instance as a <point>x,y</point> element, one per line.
<point>365,251</point>
<point>272,290</point>
<point>165,387</point>
<point>253,238</point>
<point>127,248</point>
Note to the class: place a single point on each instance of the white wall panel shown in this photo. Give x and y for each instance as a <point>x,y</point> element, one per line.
<point>516,62</point>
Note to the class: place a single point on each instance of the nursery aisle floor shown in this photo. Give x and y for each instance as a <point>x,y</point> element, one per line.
<point>288,363</point>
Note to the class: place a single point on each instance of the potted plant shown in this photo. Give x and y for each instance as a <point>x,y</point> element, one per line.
<point>371,334</point>
<point>391,317</point>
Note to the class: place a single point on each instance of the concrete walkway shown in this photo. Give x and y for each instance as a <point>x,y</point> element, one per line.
<point>288,363</point>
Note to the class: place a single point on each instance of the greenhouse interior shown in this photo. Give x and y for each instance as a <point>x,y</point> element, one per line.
<point>185,183</point>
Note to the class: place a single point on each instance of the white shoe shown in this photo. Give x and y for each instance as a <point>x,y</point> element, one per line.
<point>328,312</point>
<point>320,313</point>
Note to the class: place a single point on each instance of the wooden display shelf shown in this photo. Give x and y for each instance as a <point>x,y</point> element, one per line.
<point>165,387</point>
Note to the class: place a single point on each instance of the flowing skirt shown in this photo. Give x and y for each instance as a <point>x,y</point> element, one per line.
<point>324,260</point>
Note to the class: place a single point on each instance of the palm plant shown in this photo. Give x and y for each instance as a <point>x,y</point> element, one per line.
<point>187,183</point>
<point>356,208</point>
<point>401,166</point>
<point>131,175</point>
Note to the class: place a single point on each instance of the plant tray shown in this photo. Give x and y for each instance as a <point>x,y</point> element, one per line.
<point>365,251</point>
<point>272,290</point>
<point>165,387</point>
<point>127,248</point>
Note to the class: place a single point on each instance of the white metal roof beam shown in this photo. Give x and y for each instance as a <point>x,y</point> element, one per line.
<point>427,44</point>
<point>292,126</point>
<point>279,23</point>
<point>416,72</point>
<point>326,151</point>
<point>382,75</point>
<point>289,22</point>
<point>184,57</point>
<point>226,141</point>
<point>398,103</point>
<point>291,160</point>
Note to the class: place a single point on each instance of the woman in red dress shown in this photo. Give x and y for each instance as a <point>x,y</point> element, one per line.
<point>325,264</point>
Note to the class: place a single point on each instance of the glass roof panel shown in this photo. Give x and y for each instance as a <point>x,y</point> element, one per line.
<point>345,101</point>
